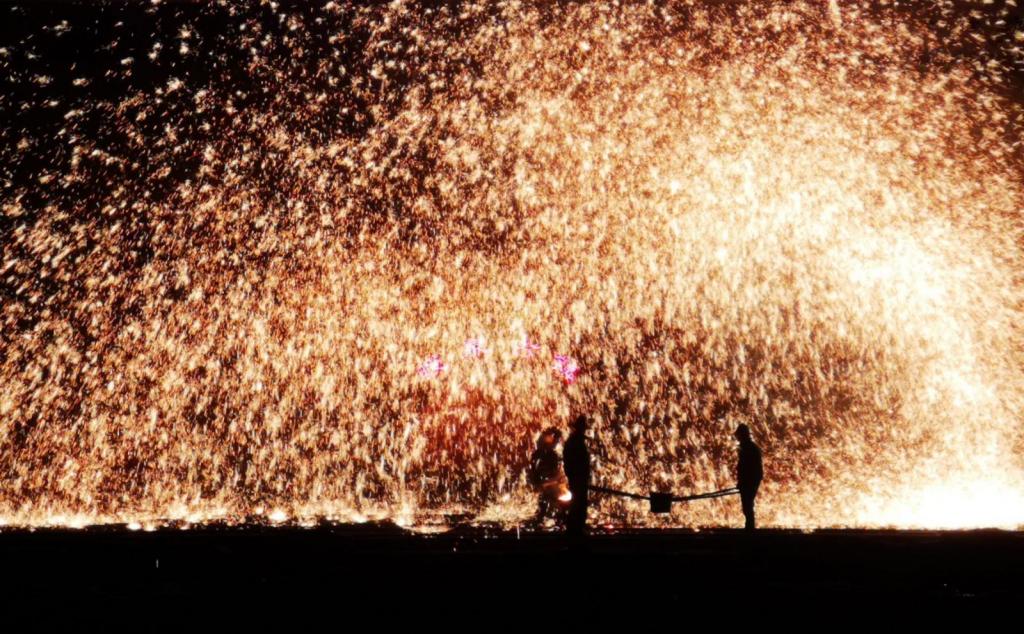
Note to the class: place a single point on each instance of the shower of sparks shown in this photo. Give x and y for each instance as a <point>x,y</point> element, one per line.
<point>230,230</point>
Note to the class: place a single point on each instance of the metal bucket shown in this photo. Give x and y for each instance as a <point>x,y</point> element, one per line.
<point>661,502</point>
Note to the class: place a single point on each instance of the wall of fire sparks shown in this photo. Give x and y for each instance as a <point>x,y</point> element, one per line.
<point>340,261</point>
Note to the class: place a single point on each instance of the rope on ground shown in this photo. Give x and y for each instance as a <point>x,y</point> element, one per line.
<point>704,496</point>
<point>674,498</point>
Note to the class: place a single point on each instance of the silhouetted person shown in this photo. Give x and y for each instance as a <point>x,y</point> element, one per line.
<point>749,472</point>
<point>545,472</point>
<point>576,460</point>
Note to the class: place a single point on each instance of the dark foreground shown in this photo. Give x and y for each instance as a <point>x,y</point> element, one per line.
<point>336,573</point>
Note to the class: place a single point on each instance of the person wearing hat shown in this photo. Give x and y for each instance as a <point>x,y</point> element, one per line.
<point>749,472</point>
<point>576,460</point>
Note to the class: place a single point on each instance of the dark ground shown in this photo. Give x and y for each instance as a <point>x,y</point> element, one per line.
<point>170,577</point>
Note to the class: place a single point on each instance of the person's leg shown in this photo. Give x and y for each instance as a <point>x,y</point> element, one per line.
<point>577,514</point>
<point>584,508</point>
<point>747,499</point>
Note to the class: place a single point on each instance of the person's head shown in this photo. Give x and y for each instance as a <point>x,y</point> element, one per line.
<point>579,424</point>
<point>551,435</point>
<point>742,433</point>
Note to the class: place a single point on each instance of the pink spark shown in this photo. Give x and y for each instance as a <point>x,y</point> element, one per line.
<point>529,348</point>
<point>567,367</point>
<point>432,367</point>
<point>474,348</point>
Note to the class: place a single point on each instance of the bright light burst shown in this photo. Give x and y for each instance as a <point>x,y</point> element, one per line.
<point>238,251</point>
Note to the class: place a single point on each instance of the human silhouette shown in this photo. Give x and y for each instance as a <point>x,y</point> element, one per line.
<point>749,472</point>
<point>576,459</point>
<point>545,475</point>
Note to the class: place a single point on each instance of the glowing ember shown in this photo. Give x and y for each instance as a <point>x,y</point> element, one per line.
<point>225,246</point>
<point>278,516</point>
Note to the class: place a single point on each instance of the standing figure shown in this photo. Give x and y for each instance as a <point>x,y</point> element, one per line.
<point>545,475</point>
<point>576,459</point>
<point>749,472</point>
